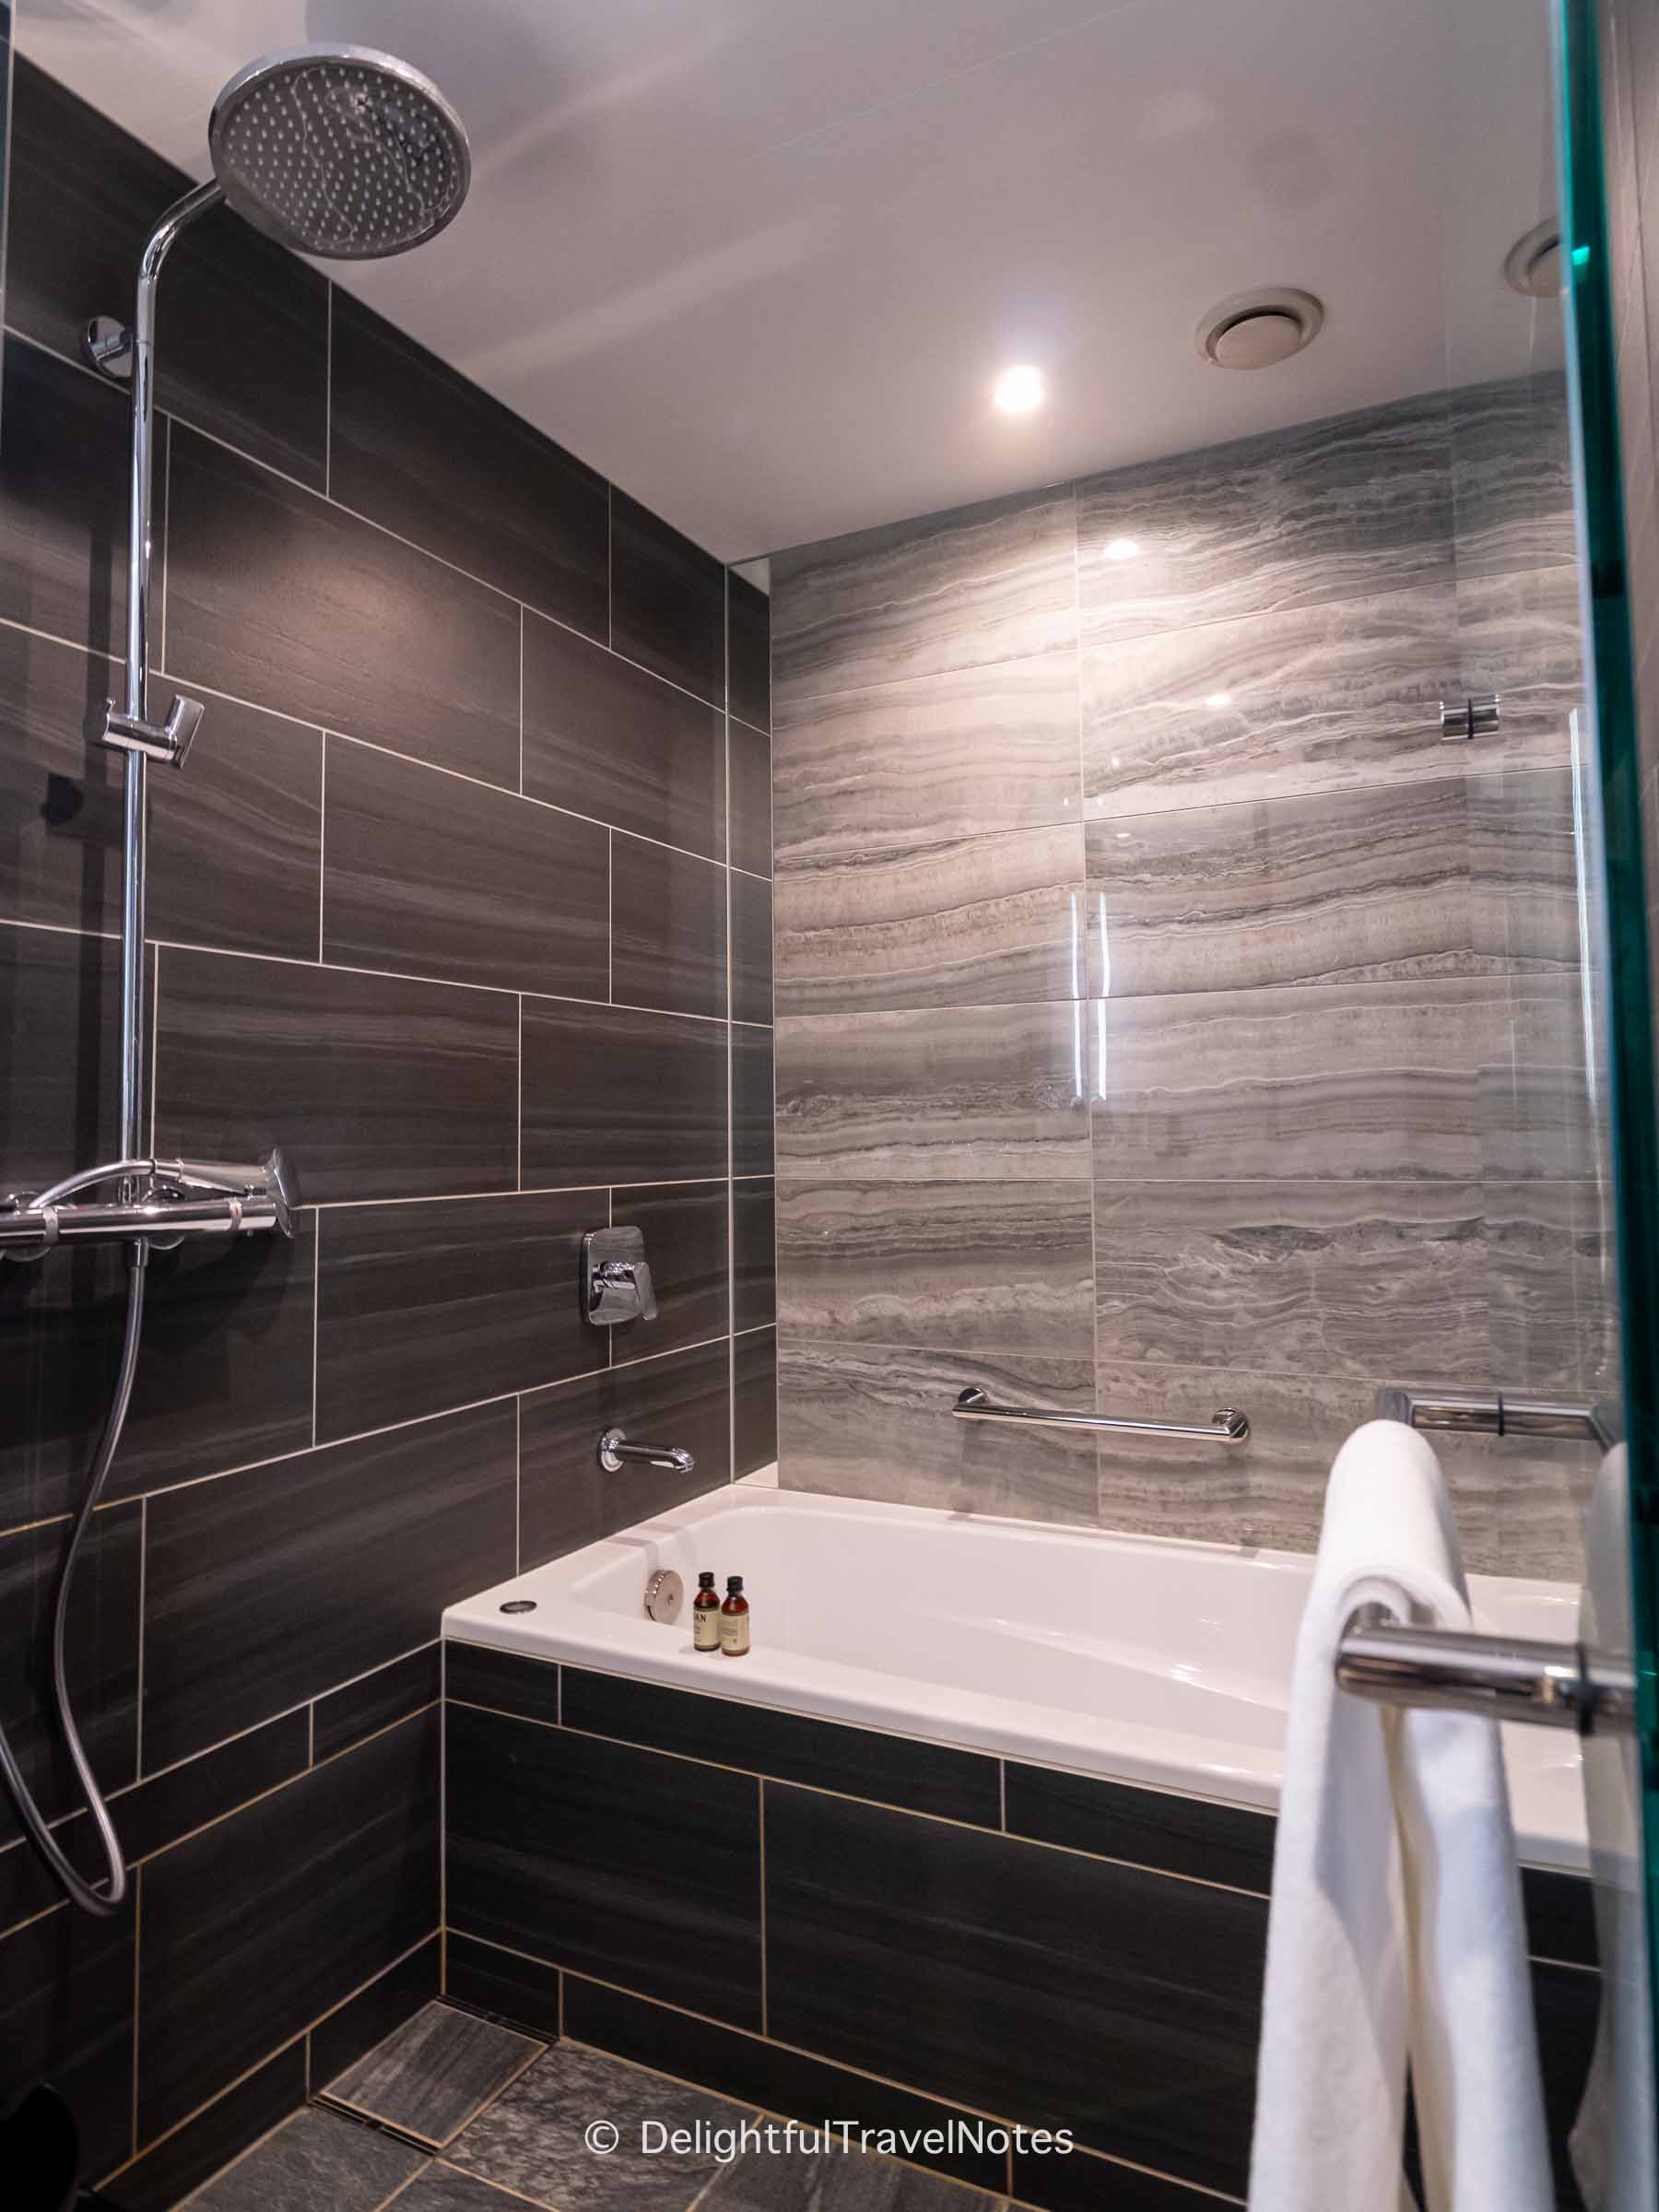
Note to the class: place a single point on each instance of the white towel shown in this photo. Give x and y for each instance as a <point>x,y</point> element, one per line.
<point>1396,1921</point>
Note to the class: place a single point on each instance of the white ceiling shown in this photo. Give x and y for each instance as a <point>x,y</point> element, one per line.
<point>759,261</point>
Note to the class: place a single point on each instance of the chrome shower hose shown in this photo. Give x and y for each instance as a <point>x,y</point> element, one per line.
<point>105,1901</point>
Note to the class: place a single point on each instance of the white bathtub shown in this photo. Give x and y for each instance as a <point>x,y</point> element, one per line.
<point>1156,1662</point>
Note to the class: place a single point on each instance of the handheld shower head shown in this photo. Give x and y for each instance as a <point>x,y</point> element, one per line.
<point>339,151</point>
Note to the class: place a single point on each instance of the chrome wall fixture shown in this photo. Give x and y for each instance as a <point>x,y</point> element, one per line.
<point>1460,719</point>
<point>616,1453</point>
<point>1389,1661</point>
<point>334,150</point>
<point>616,1278</point>
<point>1422,1406</point>
<point>1392,1662</point>
<point>1227,1427</point>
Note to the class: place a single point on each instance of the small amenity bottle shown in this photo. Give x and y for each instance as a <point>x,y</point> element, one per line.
<point>735,1621</point>
<point>705,1615</point>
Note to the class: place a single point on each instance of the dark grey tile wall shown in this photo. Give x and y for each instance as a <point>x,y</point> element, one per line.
<point>442,903</point>
<point>1166,1019</point>
<point>898,1925</point>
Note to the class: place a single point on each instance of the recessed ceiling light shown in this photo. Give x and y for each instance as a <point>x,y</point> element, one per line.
<point>1121,549</point>
<point>1257,330</point>
<point>1019,390</point>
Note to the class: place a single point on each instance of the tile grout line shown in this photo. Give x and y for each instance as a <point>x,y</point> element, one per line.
<point>442,1413</point>
<point>155,1013</point>
<point>883,1804</point>
<point>166,529</point>
<point>1084,1021</point>
<point>1430,581</point>
<point>443,1808</point>
<point>731,1101</point>
<point>316,1321</point>
<point>328,324</point>
<point>483,584</point>
<point>760,1828</point>
<point>306,1706</point>
<point>374,745</point>
<point>143,1596</point>
<point>248,2073</point>
<point>321,849</point>
<point>1484,987</point>
<point>402,975</point>
<point>137,1985</point>
<point>951,2108</point>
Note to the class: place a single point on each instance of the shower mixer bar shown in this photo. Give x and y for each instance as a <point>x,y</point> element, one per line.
<point>163,1201</point>
<point>1227,1427</point>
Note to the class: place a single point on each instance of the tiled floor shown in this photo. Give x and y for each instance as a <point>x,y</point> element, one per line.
<point>499,2119</point>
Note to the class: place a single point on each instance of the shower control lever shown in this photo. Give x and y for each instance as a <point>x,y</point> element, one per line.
<point>616,1280</point>
<point>169,740</point>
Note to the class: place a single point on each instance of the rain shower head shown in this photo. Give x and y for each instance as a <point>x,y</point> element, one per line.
<point>339,151</point>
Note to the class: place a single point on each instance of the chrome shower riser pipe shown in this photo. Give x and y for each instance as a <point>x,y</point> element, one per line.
<point>135,787</point>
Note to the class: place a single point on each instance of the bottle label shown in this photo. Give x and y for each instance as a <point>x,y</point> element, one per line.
<point>734,1634</point>
<point>705,1629</point>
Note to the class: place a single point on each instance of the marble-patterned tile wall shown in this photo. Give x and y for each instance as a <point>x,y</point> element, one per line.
<point>1167,1018</point>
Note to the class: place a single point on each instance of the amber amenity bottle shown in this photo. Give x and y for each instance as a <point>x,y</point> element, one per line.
<point>735,1621</point>
<point>705,1615</point>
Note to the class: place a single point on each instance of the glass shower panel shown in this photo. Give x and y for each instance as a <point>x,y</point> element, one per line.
<point>1611,382</point>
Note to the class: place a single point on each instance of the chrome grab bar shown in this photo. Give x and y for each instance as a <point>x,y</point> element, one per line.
<point>1463,1413</point>
<point>1227,1427</point>
<point>1387,1662</point>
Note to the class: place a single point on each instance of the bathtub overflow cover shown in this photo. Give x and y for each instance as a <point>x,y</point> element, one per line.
<point>519,1605</point>
<point>664,1594</point>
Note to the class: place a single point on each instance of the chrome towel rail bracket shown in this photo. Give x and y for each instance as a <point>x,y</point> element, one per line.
<point>1227,1427</point>
<point>1389,1661</point>
<point>1498,1413</point>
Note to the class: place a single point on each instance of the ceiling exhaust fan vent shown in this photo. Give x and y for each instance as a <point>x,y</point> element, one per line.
<point>1532,265</point>
<point>1257,330</point>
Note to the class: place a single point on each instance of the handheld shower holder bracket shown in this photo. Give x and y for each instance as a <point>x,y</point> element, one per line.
<point>168,741</point>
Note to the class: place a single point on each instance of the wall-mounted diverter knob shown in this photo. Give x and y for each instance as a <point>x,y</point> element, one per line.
<point>616,1280</point>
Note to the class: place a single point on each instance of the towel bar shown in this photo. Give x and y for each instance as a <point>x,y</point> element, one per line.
<point>1388,1662</point>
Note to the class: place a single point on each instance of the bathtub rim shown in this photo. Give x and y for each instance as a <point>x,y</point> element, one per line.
<point>1153,1758</point>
